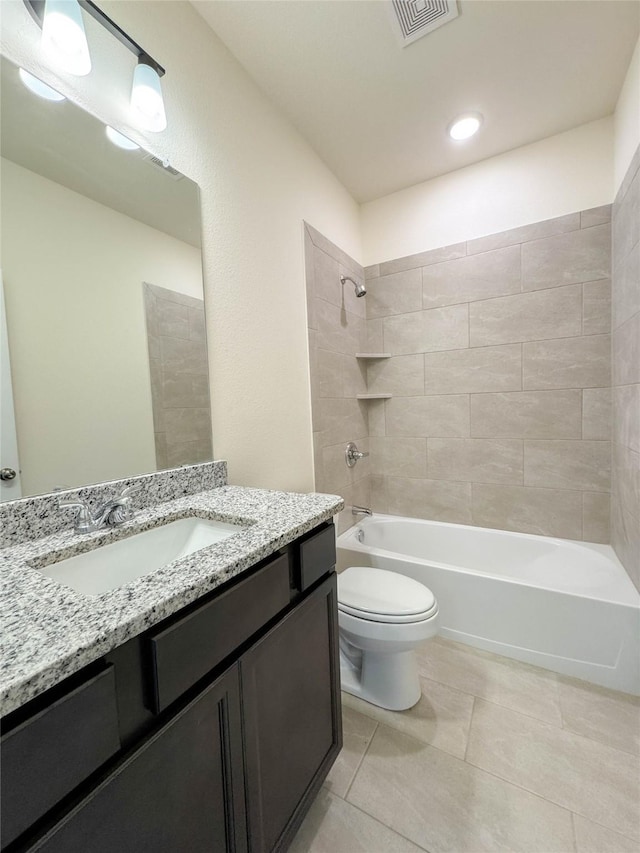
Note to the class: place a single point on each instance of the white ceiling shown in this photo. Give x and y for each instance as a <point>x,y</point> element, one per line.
<point>377,113</point>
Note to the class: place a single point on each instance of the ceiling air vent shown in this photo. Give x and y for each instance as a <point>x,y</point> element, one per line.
<point>415,18</point>
<point>164,166</point>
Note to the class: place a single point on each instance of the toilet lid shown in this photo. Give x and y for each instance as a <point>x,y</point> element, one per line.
<point>374,592</point>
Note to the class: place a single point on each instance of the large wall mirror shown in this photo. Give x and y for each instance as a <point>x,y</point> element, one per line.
<point>104,361</point>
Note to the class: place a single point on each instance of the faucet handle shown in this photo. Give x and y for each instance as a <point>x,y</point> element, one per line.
<point>128,492</point>
<point>352,454</point>
<point>84,521</point>
<point>119,510</point>
<point>71,503</point>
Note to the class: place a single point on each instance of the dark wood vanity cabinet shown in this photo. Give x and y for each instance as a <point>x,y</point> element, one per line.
<point>222,762</point>
<point>181,790</point>
<point>292,719</point>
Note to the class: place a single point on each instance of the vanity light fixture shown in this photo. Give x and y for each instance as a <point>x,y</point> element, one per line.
<point>39,88</point>
<point>121,140</point>
<point>146,96</point>
<point>465,126</point>
<point>63,37</point>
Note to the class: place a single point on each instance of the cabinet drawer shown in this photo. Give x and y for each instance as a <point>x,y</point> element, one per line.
<point>190,647</point>
<point>49,754</point>
<point>317,556</point>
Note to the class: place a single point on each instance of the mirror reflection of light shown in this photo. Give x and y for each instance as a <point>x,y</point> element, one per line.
<point>121,140</point>
<point>63,36</point>
<point>146,98</point>
<point>39,88</point>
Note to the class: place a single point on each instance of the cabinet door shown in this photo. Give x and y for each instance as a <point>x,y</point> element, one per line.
<point>292,718</point>
<point>182,790</point>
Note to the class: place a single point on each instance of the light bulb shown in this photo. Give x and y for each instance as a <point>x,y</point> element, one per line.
<point>465,126</point>
<point>146,98</point>
<point>121,140</point>
<point>38,87</point>
<point>63,36</point>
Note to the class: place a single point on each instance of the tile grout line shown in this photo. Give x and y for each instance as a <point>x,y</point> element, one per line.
<point>522,290</point>
<point>356,771</point>
<point>573,831</point>
<point>482,770</point>
<point>520,243</point>
<point>543,799</point>
<point>386,826</point>
<point>466,748</point>
<point>562,728</point>
<point>494,345</point>
<point>504,708</point>
<point>550,289</point>
<point>601,825</point>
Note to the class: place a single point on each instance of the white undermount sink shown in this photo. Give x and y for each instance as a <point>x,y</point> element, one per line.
<point>111,566</point>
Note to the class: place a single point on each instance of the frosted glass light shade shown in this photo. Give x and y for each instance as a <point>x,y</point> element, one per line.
<point>39,88</point>
<point>146,98</point>
<point>63,36</point>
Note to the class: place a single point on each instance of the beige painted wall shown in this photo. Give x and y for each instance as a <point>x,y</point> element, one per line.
<point>556,176</point>
<point>77,330</point>
<point>259,180</point>
<point>579,169</point>
<point>627,120</point>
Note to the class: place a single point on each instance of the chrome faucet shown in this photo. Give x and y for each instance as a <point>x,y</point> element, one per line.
<point>112,513</point>
<point>360,510</point>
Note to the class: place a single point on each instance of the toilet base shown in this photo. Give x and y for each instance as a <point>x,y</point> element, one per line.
<point>389,681</point>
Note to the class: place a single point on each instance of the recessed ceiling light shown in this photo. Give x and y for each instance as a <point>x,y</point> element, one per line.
<point>465,126</point>
<point>121,140</point>
<point>38,87</point>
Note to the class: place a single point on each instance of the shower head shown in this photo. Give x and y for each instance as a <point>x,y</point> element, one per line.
<point>361,290</point>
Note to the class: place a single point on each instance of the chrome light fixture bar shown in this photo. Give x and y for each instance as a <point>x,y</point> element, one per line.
<point>146,95</point>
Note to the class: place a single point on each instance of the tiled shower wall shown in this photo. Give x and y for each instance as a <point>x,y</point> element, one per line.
<point>179,374</point>
<point>625,505</point>
<point>337,331</point>
<point>500,376</point>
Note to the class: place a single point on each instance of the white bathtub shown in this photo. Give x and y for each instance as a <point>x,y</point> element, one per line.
<point>567,606</point>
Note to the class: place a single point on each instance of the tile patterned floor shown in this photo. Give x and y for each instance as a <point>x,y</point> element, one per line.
<point>497,756</point>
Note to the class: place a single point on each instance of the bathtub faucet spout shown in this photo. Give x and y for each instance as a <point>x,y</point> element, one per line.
<point>361,510</point>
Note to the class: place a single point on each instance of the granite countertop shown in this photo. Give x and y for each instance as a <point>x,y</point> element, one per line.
<point>49,631</point>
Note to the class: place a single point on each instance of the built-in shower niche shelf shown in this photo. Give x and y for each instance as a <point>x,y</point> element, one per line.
<point>373,355</point>
<point>373,396</point>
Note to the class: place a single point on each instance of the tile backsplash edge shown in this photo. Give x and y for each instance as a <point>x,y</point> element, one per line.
<point>32,518</point>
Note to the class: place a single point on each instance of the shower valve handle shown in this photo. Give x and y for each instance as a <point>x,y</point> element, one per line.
<point>352,454</point>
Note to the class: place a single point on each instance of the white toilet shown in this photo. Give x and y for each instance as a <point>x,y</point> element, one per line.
<point>383,616</point>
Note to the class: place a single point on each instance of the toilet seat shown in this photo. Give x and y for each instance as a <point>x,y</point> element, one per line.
<point>376,595</point>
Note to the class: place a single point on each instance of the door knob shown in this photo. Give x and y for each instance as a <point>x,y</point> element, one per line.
<point>7,474</point>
